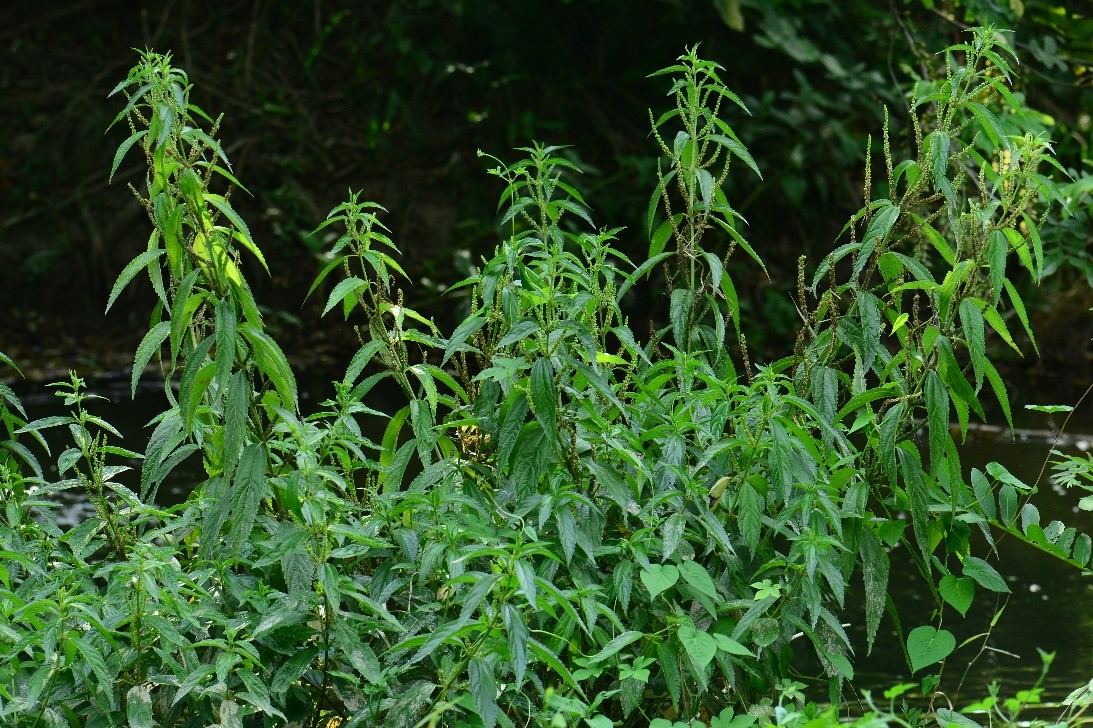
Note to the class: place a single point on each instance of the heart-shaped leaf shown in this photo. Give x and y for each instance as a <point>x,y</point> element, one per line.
<point>658,577</point>
<point>958,592</point>
<point>701,647</point>
<point>927,645</point>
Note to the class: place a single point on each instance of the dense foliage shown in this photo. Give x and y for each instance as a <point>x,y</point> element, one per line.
<point>568,522</point>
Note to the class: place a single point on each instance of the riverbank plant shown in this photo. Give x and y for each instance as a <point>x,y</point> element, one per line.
<point>573,519</point>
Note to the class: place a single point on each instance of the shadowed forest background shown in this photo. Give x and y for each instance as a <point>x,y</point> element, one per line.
<point>395,99</point>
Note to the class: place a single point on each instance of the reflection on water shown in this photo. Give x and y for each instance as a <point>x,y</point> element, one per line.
<point>1049,607</point>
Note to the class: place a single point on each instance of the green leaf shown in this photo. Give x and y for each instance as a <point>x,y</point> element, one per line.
<point>658,577</point>
<point>696,575</point>
<point>915,478</point>
<point>123,149</point>
<point>248,490</point>
<point>544,397</point>
<point>958,592</point>
<point>889,432</point>
<point>701,647</point>
<point>989,123</point>
<point>928,645</point>
<point>357,653</point>
<point>875,570</point>
<point>272,362</point>
<point>971,320</point>
<point>615,645</point>
<point>466,329</point>
<point>550,659</point>
<point>731,646</point>
<point>1019,307</point>
<point>192,387</point>
<point>1007,503</point>
<point>880,227</point>
<point>182,310</point>
<point>136,265</point>
<point>244,237</point>
<point>516,635</point>
<point>148,346</point>
<point>291,670</point>
<point>484,690</point>
<point>984,574</point>
<point>230,715</point>
<point>660,237</point>
<point>342,291</point>
<point>138,707</point>
<point>750,507</point>
<point>937,415</point>
<point>679,315</point>
<point>672,534</point>
<point>225,342</point>
<point>236,416</point>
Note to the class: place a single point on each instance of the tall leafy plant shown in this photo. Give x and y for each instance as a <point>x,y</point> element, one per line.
<point>568,522</point>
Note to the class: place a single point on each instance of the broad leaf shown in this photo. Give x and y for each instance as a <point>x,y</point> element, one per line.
<point>928,645</point>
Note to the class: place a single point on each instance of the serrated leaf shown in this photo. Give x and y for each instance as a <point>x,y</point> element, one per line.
<point>148,346</point>
<point>291,670</point>
<point>123,149</point>
<point>244,237</point>
<point>984,574</point>
<point>750,512</point>
<point>342,291</point>
<point>484,690</point>
<point>550,659</point>
<point>937,415</point>
<point>544,397</point>
<point>875,569</point>
<point>138,707</point>
<point>615,645</point>
<point>466,329</point>
<point>516,635</point>
<point>248,490</point>
<point>273,364</point>
<point>136,265</point>
<point>672,534</point>
<point>971,320</point>
<point>236,416</point>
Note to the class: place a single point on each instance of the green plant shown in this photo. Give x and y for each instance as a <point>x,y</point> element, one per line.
<point>568,522</point>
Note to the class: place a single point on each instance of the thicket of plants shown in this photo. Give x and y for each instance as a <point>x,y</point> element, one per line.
<point>569,522</point>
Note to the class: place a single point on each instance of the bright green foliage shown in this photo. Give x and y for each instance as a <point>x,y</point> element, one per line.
<point>569,522</point>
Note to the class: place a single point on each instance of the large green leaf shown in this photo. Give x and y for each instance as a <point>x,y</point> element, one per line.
<point>700,646</point>
<point>984,574</point>
<point>658,577</point>
<point>483,686</point>
<point>544,397</point>
<point>138,707</point>
<point>249,488</point>
<point>929,645</point>
<point>958,592</point>
<point>273,363</point>
<point>875,568</point>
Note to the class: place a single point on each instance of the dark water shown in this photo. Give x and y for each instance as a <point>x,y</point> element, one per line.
<point>1051,605</point>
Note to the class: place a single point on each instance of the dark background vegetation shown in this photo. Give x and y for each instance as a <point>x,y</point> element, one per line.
<point>395,98</point>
